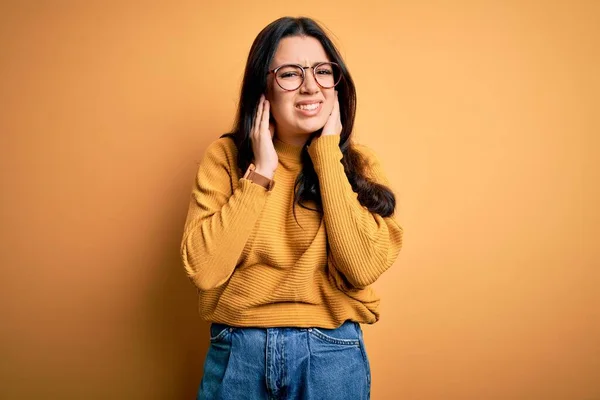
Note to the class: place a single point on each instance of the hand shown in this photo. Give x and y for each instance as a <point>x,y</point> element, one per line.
<point>333,126</point>
<point>261,136</point>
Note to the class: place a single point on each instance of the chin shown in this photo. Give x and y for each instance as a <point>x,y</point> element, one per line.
<point>310,128</point>
<point>309,131</point>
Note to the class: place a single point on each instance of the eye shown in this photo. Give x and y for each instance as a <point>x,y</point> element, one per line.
<point>289,75</point>
<point>324,72</point>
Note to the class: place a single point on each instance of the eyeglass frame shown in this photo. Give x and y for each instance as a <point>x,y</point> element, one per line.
<point>274,72</point>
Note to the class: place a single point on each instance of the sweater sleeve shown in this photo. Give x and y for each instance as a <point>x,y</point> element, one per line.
<point>363,245</point>
<point>220,218</point>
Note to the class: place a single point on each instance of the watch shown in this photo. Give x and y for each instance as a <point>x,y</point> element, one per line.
<point>257,178</point>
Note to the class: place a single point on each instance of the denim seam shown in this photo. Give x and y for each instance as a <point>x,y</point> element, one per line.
<point>283,369</point>
<point>366,365</point>
<point>268,364</point>
<point>327,338</point>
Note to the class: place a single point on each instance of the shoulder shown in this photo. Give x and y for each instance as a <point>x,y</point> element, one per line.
<point>222,147</point>
<point>221,151</point>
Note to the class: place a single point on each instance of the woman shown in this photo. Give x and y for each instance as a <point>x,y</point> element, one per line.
<point>289,223</point>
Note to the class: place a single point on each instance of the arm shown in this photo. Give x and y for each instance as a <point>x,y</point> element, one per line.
<point>219,219</point>
<point>363,245</point>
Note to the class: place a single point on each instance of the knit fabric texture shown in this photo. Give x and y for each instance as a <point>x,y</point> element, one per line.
<point>254,265</point>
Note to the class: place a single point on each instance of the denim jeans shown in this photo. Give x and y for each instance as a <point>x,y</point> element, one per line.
<point>286,363</point>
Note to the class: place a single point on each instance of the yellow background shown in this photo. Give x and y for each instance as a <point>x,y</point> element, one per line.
<point>485,117</point>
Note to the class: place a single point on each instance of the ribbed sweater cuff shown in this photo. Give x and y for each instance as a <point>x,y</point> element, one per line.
<point>254,195</point>
<point>247,184</point>
<point>335,187</point>
<point>325,150</point>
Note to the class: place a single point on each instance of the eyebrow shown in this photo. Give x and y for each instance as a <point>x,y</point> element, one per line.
<point>314,64</point>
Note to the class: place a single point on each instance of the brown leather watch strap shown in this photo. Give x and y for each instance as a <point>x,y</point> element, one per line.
<point>257,178</point>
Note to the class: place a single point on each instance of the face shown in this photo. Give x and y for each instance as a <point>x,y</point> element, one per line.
<point>293,111</point>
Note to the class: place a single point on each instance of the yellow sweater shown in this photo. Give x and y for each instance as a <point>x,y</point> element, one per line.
<point>254,266</point>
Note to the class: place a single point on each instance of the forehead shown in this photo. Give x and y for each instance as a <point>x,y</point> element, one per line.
<point>304,50</point>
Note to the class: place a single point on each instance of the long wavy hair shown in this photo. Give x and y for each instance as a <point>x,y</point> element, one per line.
<point>375,197</point>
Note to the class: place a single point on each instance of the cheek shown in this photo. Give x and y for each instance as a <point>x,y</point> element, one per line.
<point>328,106</point>
<point>281,107</point>
<point>279,112</point>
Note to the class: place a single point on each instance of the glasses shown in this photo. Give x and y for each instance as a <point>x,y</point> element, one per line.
<point>291,76</point>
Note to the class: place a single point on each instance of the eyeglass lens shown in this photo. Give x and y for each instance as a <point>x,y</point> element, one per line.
<point>290,77</point>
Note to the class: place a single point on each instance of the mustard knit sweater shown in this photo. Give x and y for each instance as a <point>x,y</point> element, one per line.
<point>254,265</point>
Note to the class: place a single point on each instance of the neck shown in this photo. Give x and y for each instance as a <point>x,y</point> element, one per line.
<point>288,150</point>
<point>292,139</point>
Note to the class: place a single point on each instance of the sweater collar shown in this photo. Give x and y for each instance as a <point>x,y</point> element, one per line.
<point>288,151</point>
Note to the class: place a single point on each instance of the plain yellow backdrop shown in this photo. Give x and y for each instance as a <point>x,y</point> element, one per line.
<point>485,117</point>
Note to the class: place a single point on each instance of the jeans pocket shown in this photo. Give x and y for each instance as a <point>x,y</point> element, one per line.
<point>337,363</point>
<point>344,340</point>
<point>219,332</point>
<point>216,364</point>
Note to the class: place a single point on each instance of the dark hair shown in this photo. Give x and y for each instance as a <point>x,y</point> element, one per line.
<point>375,197</point>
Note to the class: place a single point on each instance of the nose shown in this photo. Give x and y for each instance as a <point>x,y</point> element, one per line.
<point>310,84</point>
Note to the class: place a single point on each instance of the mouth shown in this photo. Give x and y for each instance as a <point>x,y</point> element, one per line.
<point>309,109</point>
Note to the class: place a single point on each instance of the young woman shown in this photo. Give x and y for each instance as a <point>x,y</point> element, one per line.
<point>289,223</point>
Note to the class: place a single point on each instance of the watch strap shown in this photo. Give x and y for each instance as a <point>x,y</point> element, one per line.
<point>259,179</point>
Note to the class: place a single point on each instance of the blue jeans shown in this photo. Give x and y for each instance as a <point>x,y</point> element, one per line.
<point>286,363</point>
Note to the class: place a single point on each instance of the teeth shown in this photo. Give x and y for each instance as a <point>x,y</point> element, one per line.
<point>308,107</point>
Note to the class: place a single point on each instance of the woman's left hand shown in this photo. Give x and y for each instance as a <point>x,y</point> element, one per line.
<point>333,126</point>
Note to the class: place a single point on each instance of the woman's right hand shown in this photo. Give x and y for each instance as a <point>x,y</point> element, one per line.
<point>265,156</point>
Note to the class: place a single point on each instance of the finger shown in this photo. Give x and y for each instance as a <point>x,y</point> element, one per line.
<point>336,103</point>
<point>264,123</point>
<point>339,114</point>
<point>259,110</point>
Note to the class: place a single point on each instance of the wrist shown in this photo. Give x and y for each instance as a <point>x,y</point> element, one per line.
<point>266,172</point>
<point>258,178</point>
